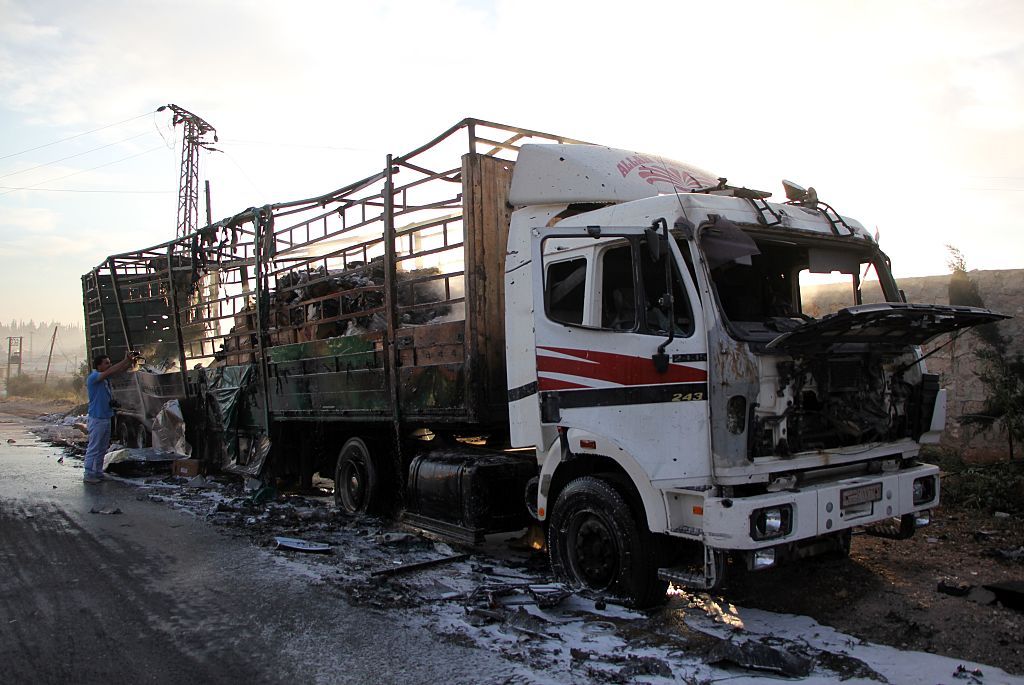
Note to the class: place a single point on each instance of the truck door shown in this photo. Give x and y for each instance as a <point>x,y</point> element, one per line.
<point>602,312</point>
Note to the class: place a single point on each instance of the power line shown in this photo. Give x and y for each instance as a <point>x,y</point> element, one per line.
<point>1012,190</point>
<point>79,154</point>
<point>77,135</point>
<point>116,161</point>
<point>78,190</point>
<point>235,141</point>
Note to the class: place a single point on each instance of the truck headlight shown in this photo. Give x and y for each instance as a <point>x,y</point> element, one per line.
<point>771,522</point>
<point>924,489</point>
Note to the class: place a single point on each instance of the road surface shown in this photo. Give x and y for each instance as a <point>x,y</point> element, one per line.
<point>153,595</point>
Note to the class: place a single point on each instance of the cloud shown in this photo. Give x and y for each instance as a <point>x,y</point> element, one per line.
<point>15,220</point>
<point>887,108</point>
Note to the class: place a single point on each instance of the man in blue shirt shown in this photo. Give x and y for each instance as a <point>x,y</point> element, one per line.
<point>100,412</point>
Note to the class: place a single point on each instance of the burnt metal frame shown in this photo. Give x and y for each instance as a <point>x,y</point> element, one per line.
<point>272,252</point>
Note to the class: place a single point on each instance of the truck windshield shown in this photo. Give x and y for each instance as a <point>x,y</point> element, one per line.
<point>767,284</point>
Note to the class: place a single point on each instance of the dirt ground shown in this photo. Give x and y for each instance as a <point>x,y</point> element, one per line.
<point>887,591</point>
<point>31,409</point>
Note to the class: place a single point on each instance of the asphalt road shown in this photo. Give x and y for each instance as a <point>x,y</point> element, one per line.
<point>153,595</point>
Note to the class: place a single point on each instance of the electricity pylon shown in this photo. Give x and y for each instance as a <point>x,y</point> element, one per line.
<point>196,135</point>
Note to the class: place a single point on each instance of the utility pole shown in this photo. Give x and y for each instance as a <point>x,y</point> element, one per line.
<point>50,358</point>
<point>195,138</point>
<point>13,354</point>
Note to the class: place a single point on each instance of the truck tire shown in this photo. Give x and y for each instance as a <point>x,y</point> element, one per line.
<point>595,542</point>
<point>357,484</point>
<point>143,437</point>
<point>125,434</point>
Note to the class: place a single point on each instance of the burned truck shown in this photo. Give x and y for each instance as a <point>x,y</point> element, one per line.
<point>504,328</point>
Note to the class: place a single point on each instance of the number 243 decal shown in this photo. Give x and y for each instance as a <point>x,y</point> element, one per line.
<point>688,397</point>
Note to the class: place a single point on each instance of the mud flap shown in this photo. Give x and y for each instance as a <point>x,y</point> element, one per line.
<point>694,579</point>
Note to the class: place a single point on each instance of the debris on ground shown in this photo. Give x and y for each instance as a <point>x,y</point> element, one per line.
<point>761,657</point>
<point>519,621</point>
<point>298,545</point>
<point>262,495</point>
<point>137,460</point>
<point>631,666</point>
<point>953,588</point>
<point>418,565</point>
<point>110,511</point>
<point>972,675</point>
<point>392,538</point>
<point>1012,554</point>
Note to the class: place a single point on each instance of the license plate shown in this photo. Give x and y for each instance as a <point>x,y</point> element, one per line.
<point>865,493</point>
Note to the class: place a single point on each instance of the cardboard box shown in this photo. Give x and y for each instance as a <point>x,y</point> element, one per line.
<point>185,468</point>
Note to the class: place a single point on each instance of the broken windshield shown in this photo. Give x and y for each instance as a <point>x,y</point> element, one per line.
<point>771,283</point>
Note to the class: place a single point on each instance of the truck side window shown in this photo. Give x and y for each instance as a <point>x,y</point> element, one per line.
<point>656,308</point>
<point>565,293</point>
<point>618,289</point>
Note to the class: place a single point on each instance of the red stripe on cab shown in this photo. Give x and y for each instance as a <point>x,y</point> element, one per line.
<point>616,368</point>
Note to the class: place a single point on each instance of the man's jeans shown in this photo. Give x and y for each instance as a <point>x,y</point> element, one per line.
<point>99,441</point>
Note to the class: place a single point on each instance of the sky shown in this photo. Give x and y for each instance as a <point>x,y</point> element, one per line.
<point>908,116</point>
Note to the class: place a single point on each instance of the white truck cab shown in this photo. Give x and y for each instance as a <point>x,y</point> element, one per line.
<point>694,363</point>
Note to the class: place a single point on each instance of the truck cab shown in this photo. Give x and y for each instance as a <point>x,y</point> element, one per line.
<point>705,374</point>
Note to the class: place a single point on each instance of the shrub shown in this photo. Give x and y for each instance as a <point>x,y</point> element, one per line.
<point>32,387</point>
<point>989,487</point>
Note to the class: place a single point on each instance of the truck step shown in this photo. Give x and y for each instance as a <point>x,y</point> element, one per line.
<point>446,529</point>
<point>691,578</point>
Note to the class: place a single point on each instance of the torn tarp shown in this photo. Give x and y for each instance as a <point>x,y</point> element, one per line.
<point>234,419</point>
<point>169,430</point>
<point>224,388</point>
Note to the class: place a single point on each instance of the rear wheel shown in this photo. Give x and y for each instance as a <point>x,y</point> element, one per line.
<point>357,486</point>
<point>127,435</point>
<point>142,435</point>
<point>595,542</point>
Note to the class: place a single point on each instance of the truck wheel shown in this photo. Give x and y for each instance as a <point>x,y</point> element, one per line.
<point>125,435</point>
<point>594,542</point>
<point>142,435</point>
<point>356,485</point>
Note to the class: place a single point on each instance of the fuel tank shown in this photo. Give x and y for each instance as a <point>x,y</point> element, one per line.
<point>468,492</point>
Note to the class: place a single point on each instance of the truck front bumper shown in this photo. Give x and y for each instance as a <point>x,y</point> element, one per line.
<point>821,509</point>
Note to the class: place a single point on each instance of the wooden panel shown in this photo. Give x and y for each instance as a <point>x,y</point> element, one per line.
<point>432,345</point>
<point>487,215</point>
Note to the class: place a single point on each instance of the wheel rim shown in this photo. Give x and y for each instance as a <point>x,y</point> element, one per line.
<point>593,551</point>
<point>352,479</point>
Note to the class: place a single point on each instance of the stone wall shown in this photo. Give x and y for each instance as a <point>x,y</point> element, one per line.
<point>1003,292</point>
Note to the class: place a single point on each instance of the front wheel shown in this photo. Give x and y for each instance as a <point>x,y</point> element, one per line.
<point>595,542</point>
<point>357,486</point>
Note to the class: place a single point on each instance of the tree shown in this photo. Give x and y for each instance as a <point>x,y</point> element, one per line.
<point>1001,373</point>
